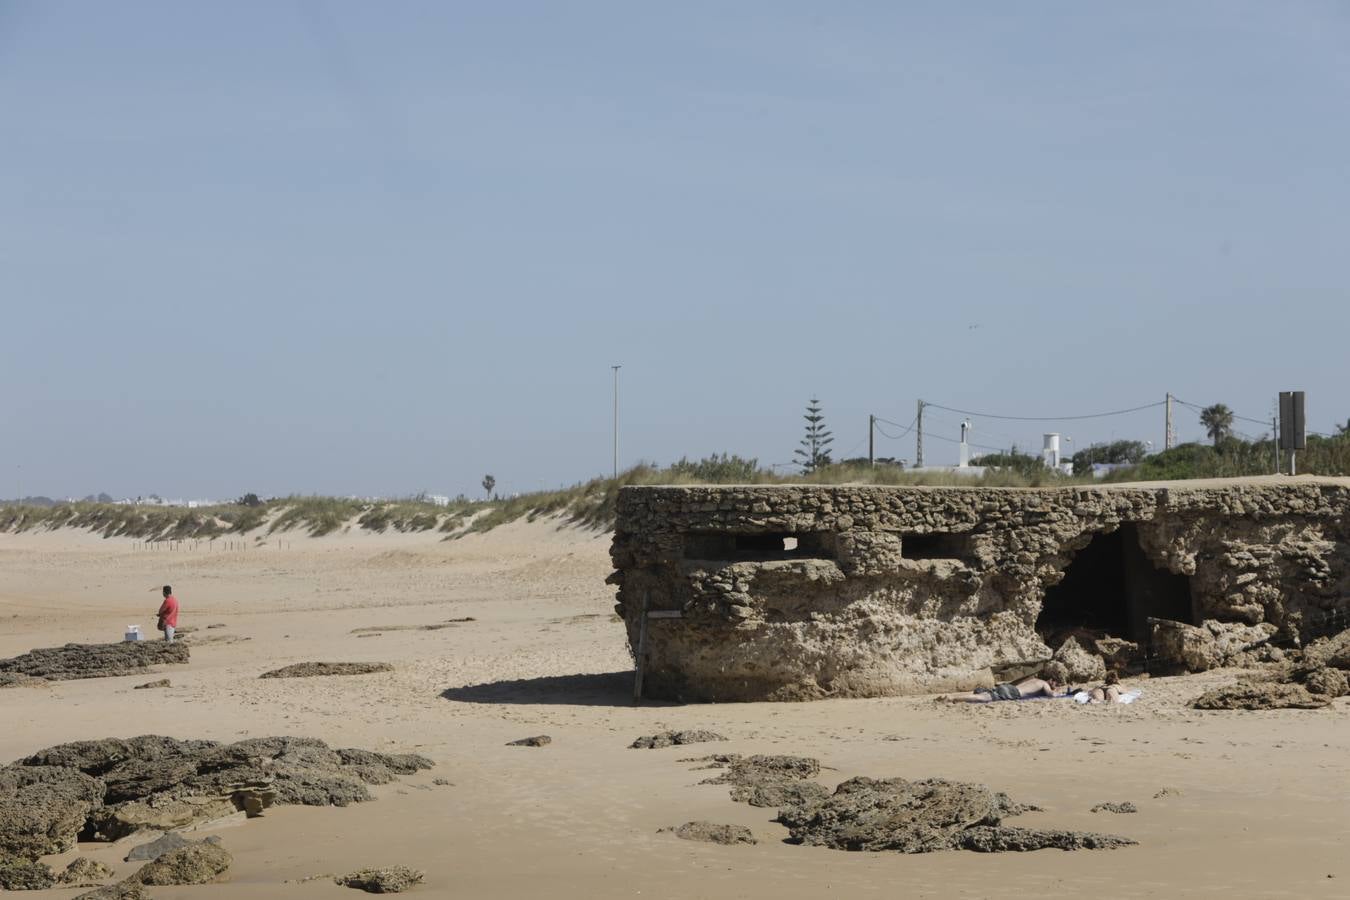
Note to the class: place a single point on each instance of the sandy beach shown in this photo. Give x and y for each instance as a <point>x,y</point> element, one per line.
<point>1230,804</point>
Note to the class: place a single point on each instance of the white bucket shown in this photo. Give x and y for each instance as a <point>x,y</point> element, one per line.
<point>133,633</point>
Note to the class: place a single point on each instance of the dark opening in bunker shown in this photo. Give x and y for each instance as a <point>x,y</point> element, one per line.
<point>1112,586</point>
<point>935,545</point>
<point>758,547</point>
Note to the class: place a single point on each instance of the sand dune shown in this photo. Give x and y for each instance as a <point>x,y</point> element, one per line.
<point>1230,804</point>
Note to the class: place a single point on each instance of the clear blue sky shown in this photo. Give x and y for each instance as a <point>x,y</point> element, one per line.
<point>380,248</point>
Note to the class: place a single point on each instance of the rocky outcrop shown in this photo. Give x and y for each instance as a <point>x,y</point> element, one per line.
<point>122,890</point>
<point>197,863</point>
<point>766,780</point>
<point>317,669</point>
<point>674,738</point>
<point>1078,663</point>
<point>94,660</point>
<point>113,787</point>
<point>151,685</point>
<point>166,843</point>
<point>538,740</point>
<point>711,833</point>
<point>85,872</point>
<point>44,808</point>
<point>1327,682</point>
<point>1212,645</point>
<point>385,880</point>
<point>1255,695</point>
<point>806,591</point>
<point>21,874</point>
<point>922,817</point>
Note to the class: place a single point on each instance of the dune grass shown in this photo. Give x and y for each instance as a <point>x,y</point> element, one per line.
<point>591,504</point>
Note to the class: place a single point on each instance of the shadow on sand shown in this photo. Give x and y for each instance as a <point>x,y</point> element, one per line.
<point>603,689</point>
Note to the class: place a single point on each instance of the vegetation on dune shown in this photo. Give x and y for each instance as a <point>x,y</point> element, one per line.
<point>591,504</point>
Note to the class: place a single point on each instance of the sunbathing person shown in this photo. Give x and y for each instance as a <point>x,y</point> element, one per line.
<point>1108,692</point>
<point>1024,689</point>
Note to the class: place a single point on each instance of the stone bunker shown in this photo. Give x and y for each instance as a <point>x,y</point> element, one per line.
<point>789,592</point>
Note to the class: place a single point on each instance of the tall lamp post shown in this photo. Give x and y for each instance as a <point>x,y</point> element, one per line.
<point>616,419</point>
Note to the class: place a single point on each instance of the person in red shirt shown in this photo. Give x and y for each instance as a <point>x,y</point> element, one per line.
<point>168,614</point>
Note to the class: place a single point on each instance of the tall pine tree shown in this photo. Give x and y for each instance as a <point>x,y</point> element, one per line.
<point>814,450</point>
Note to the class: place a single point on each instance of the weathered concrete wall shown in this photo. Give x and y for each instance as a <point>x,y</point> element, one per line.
<point>894,590</point>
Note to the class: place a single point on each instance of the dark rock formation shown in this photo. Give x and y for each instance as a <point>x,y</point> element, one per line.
<point>1327,681</point>
<point>123,890</point>
<point>44,808</point>
<point>166,843</point>
<point>161,683</point>
<point>1252,695</point>
<point>85,872</point>
<point>673,738</point>
<point>94,660</point>
<point>20,874</point>
<point>714,834</point>
<point>539,740</point>
<point>198,863</point>
<point>1080,664</point>
<point>14,679</point>
<point>113,787</point>
<point>1123,806</point>
<point>766,780</point>
<point>922,817</point>
<point>1002,839</point>
<point>786,592</point>
<point>385,880</point>
<point>1331,651</point>
<point>315,669</point>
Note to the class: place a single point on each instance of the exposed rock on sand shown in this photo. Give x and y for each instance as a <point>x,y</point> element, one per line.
<point>1328,682</point>
<point>539,740</point>
<point>199,863</point>
<point>43,809</point>
<point>313,669</point>
<point>166,843</point>
<point>113,787</point>
<point>94,660</point>
<point>767,780</point>
<point>1082,665</point>
<point>1124,806</point>
<point>1212,644</point>
<point>1331,651</point>
<point>14,679</point>
<point>20,874</point>
<point>123,890</point>
<point>1260,695</point>
<point>386,880</point>
<point>1004,838</point>
<point>162,683</point>
<point>672,738</point>
<point>85,872</point>
<point>714,834</point>
<point>924,816</point>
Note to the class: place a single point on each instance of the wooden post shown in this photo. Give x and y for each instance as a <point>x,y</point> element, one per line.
<point>641,649</point>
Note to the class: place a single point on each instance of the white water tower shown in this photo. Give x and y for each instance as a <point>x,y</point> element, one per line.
<point>1050,453</point>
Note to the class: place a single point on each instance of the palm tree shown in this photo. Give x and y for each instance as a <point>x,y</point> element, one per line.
<point>1218,422</point>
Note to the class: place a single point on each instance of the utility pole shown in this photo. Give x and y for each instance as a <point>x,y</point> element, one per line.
<point>918,440</point>
<point>871,442</point>
<point>1275,440</point>
<point>616,419</point>
<point>1170,435</point>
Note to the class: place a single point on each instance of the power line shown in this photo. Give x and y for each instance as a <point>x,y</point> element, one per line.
<point>1116,412</point>
<point>895,437</point>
